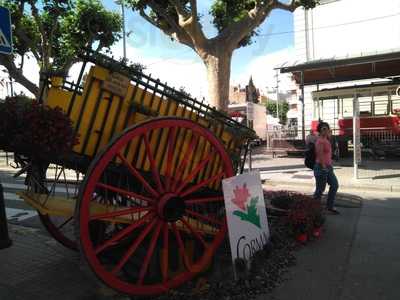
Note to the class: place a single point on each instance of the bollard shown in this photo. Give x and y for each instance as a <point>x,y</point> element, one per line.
<point>5,241</point>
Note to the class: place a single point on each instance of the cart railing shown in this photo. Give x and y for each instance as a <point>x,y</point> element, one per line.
<point>161,89</point>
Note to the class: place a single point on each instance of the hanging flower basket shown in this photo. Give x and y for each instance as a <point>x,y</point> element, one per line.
<point>35,130</point>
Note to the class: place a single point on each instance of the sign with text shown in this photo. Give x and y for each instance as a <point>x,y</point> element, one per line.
<point>5,31</point>
<point>117,84</point>
<point>246,215</point>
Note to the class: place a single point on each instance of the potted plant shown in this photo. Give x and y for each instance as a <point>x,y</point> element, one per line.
<point>299,224</point>
<point>318,219</point>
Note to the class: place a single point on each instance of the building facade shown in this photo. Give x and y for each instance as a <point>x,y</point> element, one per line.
<point>338,29</point>
<point>240,95</point>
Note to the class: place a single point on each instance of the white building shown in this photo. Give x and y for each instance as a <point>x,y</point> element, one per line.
<point>338,29</point>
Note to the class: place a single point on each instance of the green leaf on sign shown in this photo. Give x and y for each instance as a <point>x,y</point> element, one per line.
<point>251,214</point>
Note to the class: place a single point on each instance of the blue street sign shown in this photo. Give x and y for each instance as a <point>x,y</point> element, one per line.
<point>5,31</point>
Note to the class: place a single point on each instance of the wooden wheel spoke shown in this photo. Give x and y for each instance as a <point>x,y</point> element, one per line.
<point>201,184</point>
<point>165,253</point>
<point>181,247</point>
<point>150,252</point>
<point>124,192</point>
<point>65,223</point>
<point>195,233</point>
<point>133,247</point>
<point>170,155</point>
<point>204,200</point>
<point>204,218</point>
<point>121,212</point>
<point>199,167</point>
<point>154,170</point>
<point>180,171</point>
<point>124,233</point>
<point>137,175</point>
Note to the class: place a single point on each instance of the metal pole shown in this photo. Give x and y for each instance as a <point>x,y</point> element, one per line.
<point>5,241</point>
<point>123,27</point>
<point>356,136</point>
<point>250,158</point>
<point>11,87</point>
<point>277,95</point>
<point>303,129</point>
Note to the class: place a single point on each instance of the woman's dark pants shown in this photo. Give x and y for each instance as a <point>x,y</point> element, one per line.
<point>323,177</point>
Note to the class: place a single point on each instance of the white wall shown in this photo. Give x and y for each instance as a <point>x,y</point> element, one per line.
<point>348,28</point>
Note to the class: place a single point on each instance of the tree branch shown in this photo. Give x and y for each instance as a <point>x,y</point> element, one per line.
<point>190,23</point>
<point>16,74</point>
<point>22,35</point>
<point>147,18</point>
<point>236,32</point>
<point>180,9</point>
<point>193,6</point>
<point>289,7</point>
<point>44,42</point>
<point>176,31</point>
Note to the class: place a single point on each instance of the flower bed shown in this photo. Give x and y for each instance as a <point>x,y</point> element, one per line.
<point>304,217</point>
<point>35,130</point>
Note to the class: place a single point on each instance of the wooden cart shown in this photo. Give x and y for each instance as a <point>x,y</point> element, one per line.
<point>140,195</point>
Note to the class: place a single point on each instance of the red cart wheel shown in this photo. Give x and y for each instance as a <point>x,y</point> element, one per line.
<point>155,216</point>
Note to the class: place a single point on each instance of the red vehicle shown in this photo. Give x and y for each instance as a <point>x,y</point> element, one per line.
<point>379,106</point>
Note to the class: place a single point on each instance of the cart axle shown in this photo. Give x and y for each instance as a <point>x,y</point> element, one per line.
<point>171,207</point>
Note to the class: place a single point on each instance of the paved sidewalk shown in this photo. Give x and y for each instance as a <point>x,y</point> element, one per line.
<point>383,175</point>
<point>37,267</point>
<point>357,257</point>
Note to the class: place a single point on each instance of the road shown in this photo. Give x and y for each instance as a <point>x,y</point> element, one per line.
<point>17,211</point>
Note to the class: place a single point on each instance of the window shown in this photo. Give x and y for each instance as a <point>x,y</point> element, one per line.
<point>365,104</point>
<point>395,102</point>
<point>347,106</point>
<point>381,104</point>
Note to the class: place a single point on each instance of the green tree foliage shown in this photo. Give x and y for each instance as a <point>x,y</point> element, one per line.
<point>53,31</point>
<point>283,109</point>
<point>236,21</point>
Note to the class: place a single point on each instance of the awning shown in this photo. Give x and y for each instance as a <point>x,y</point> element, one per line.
<point>382,65</point>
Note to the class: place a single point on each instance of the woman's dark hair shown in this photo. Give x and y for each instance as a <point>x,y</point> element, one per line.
<point>321,125</point>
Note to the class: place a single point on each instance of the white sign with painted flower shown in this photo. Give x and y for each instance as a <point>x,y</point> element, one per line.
<point>246,214</point>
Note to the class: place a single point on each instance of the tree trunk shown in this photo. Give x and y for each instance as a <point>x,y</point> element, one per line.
<point>17,75</point>
<point>218,74</point>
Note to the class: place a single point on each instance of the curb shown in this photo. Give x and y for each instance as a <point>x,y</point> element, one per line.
<point>389,188</point>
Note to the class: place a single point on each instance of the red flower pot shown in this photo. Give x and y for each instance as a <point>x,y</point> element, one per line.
<point>317,232</point>
<point>302,238</point>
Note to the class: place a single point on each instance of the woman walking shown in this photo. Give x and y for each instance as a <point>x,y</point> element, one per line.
<point>323,170</point>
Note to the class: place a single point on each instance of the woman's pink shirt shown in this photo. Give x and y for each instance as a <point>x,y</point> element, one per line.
<point>323,151</point>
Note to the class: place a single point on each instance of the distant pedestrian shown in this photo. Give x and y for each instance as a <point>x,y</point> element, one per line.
<point>323,169</point>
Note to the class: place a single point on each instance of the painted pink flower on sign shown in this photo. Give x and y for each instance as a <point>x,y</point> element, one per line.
<point>248,212</point>
<point>241,196</point>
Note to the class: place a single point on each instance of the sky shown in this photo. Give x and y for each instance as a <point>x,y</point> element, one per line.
<point>180,66</point>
